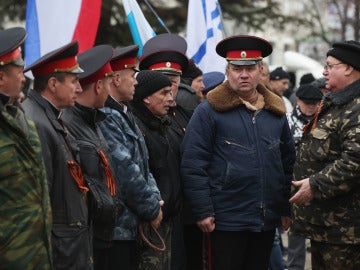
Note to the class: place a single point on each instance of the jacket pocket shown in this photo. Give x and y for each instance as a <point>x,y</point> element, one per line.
<point>71,247</point>
<point>104,207</point>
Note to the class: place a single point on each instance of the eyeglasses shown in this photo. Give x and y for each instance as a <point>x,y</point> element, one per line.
<point>330,66</point>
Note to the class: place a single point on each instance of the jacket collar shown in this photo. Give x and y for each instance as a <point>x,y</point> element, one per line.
<point>145,115</point>
<point>113,104</point>
<point>90,115</point>
<point>349,93</point>
<point>4,99</point>
<point>51,112</point>
<point>223,99</point>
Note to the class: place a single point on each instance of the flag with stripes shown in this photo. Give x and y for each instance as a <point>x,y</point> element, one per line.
<point>140,28</point>
<point>204,31</point>
<point>51,24</point>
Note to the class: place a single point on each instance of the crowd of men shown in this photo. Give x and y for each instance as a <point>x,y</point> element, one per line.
<point>105,166</point>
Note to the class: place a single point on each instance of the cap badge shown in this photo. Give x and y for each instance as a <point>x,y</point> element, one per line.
<point>168,64</point>
<point>243,54</point>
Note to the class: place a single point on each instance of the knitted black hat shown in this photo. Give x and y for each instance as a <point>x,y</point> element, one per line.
<point>320,83</point>
<point>149,82</point>
<point>307,78</point>
<point>347,52</point>
<point>279,74</point>
<point>309,93</point>
<point>192,71</point>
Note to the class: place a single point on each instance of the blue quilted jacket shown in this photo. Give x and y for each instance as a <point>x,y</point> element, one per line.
<point>237,163</point>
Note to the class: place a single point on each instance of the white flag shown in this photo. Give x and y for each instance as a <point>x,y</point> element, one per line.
<point>140,28</point>
<point>204,31</point>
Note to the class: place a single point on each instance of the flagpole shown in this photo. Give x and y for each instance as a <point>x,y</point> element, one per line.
<point>222,21</point>
<point>156,15</point>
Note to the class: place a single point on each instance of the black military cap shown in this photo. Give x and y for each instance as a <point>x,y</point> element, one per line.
<point>168,62</point>
<point>63,59</point>
<point>165,42</point>
<point>124,57</point>
<point>309,93</point>
<point>347,52</point>
<point>165,53</point>
<point>10,41</point>
<point>96,64</point>
<point>243,50</point>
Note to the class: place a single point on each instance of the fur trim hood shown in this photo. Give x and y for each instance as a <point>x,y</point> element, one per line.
<point>223,99</point>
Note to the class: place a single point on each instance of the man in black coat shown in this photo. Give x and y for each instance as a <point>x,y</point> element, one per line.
<point>82,121</point>
<point>56,86</point>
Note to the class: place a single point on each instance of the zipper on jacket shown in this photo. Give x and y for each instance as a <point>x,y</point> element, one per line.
<point>254,116</point>
<point>262,207</point>
<point>232,143</point>
<point>262,213</point>
<point>262,210</point>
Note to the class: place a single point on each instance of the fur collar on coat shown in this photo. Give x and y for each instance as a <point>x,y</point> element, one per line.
<point>223,99</point>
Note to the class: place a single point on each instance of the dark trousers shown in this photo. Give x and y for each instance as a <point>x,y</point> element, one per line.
<point>241,250</point>
<point>121,255</point>
<point>193,238</point>
<point>178,256</point>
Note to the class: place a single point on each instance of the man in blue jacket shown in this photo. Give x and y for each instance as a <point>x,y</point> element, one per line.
<point>237,162</point>
<point>129,154</point>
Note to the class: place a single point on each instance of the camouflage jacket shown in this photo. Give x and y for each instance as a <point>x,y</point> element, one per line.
<point>330,156</point>
<point>138,189</point>
<point>25,213</point>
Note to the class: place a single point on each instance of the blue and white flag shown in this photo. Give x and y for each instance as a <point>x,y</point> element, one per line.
<point>204,31</point>
<point>140,28</point>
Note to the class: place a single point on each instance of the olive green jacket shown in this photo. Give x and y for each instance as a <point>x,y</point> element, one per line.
<point>25,212</point>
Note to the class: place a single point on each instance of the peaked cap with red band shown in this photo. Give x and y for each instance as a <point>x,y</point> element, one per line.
<point>10,41</point>
<point>165,53</point>
<point>125,57</point>
<point>63,59</point>
<point>164,42</point>
<point>168,62</point>
<point>243,50</point>
<point>96,64</point>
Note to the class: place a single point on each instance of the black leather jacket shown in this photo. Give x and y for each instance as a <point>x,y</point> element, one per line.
<point>71,247</point>
<point>82,124</point>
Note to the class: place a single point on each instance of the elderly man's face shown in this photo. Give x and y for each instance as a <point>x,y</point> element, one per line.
<point>243,79</point>
<point>160,101</point>
<point>12,80</point>
<point>66,92</point>
<point>307,108</point>
<point>334,73</point>
<point>279,86</point>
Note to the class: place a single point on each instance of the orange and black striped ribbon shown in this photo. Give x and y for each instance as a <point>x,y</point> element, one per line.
<point>110,182</point>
